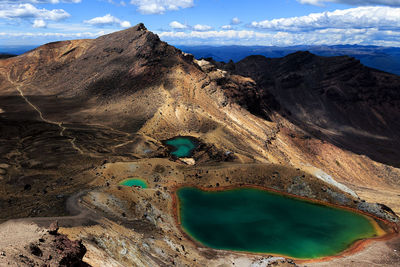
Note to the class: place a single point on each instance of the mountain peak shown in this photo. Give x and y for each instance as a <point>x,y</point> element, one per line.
<point>129,34</point>
<point>140,27</point>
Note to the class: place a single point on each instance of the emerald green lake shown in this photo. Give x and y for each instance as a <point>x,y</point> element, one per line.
<point>182,146</point>
<point>259,221</point>
<point>134,182</point>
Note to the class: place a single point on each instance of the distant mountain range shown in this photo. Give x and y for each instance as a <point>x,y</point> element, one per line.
<point>381,58</point>
<point>15,49</point>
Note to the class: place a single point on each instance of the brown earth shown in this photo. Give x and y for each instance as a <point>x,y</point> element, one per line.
<point>24,244</point>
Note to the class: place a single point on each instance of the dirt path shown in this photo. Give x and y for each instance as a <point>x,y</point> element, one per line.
<point>18,236</point>
<point>59,124</point>
<point>63,128</point>
<point>81,215</point>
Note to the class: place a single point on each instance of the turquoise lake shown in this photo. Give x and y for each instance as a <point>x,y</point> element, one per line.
<point>134,182</point>
<point>255,220</point>
<point>182,146</point>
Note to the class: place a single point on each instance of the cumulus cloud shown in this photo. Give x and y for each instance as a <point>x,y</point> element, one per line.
<point>56,35</point>
<point>160,6</point>
<point>361,25</point>
<point>40,1</point>
<point>358,18</point>
<point>319,37</point>
<point>393,3</point>
<point>178,25</point>
<point>39,23</point>
<point>108,20</point>
<point>120,3</point>
<point>28,11</point>
<point>235,21</point>
<point>200,27</point>
<point>226,27</point>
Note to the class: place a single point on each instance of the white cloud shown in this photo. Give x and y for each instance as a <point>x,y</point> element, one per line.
<point>361,25</point>
<point>125,24</point>
<point>178,25</point>
<point>354,2</point>
<point>120,3</point>
<point>359,18</point>
<point>199,27</point>
<point>160,6</point>
<point>27,11</point>
<point>369,36</point>
<point>235,21</point>
<point>40,1</point>
<point>69,27</point>
<point>39,23</point>
<point>54,34</point>
<point>108,20</point>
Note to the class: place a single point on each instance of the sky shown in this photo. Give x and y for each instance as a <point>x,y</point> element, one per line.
<point>206,22</point>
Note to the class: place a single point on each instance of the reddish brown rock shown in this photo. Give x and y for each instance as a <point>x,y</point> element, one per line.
<point>53,229</point>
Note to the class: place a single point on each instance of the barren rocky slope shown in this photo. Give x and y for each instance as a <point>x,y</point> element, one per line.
<point>335,99</point>
<point>83,115</point>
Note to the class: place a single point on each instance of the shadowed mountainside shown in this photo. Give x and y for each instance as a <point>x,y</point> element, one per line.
<point>4,56</point>
<point>336,99</point>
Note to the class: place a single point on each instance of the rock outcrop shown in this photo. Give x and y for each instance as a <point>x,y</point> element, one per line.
<point>42,247</point>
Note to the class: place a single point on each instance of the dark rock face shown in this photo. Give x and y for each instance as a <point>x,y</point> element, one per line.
<point>53,228</point>
<point>35,250</point>
<point>336,99</point>
<point>67,252</point>
<point>71,252</point>
<point>51,249</point>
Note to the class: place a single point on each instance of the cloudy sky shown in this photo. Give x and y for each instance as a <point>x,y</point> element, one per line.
<point>214,22</point>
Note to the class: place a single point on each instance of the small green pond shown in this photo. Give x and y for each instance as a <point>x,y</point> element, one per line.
<point>134,182</point>
<point>255,220</point>
<point>182,146</point>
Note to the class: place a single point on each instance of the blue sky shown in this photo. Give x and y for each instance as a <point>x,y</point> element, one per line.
<point>199,22</point>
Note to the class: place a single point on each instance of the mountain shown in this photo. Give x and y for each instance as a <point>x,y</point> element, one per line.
<point>382,58</point>
<point>337,99</point>
<point>79,117</point>
<point>16,49</point>
<point>378,57</point>
<point>4,56</point>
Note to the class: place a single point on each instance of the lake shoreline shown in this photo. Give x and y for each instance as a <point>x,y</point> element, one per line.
<point>144,184</point>
<point>171,148</point>
<point>382,234</point>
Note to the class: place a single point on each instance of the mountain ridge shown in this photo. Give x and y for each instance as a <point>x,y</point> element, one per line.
<point>338,89</point>
<point>382,58</point>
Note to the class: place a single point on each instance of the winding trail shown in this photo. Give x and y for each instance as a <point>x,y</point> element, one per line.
<point>59,124</point>
<point>82,215</point>
<point>63,128</point>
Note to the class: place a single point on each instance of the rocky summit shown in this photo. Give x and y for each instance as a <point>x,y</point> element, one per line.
<point>79,117</point>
